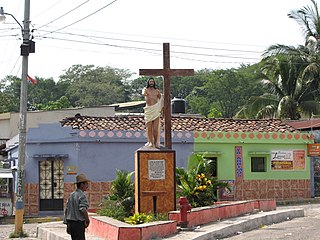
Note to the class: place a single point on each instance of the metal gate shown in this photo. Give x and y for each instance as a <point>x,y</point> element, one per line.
<point>316,167</point>
<point>51,181</point>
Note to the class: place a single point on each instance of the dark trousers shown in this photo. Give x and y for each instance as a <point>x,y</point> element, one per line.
<point>77,230</point>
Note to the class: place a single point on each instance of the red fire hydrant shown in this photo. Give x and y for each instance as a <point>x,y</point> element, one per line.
<point>185,207</point>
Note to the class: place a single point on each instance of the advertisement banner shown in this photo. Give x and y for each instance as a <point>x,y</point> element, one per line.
<point>5,207</point>
<point>288,160</point>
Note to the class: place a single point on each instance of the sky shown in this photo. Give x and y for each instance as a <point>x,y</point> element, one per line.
<point>129,34</point>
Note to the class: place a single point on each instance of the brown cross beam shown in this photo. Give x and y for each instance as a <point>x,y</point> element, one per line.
<point>166,72</point>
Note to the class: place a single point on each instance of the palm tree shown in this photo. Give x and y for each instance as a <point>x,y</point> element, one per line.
<point>292,73</point>
<point>308,18</point>
<point>288,95</point>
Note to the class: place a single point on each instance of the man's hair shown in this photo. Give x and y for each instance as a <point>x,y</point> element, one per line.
<point>151,78</point>
<point>79,184</point>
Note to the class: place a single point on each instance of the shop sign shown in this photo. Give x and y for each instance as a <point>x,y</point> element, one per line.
<point>314,150</point>
<point>5,207</point>
<point>288,160</point>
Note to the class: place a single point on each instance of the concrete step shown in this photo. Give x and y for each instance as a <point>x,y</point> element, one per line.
<point>57,231</point>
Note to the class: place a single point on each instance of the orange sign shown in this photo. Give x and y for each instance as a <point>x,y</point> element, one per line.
<point>281,165</point>
<point>314,150</point>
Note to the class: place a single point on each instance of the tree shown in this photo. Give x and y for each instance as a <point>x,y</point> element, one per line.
<point>10,94</point>
<point>92,86</point>
<point>292,73</point>
<point>183,86</point>
<point>44,92</point>
<point>308,18</point>
<point>61,103</point>
<point>224,91</point>
<point>288,95</point>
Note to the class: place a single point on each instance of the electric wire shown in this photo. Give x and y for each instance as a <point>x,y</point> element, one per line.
<point>63,15</point>
<point>152,49</point>
<point>157,43</point>
<point>46,10</point>
<point>81,19</point>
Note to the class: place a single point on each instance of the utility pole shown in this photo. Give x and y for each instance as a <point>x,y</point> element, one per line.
<point>27,46</point>
<point>25,49</point>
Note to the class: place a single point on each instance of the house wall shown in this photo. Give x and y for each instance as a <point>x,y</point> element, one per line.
<point>99,154</point>
<point>9,122</point>
<point>279,184</point>
<point>5,131</point>
<point>96,153</point>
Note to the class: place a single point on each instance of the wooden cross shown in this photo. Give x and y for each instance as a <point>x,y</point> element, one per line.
<point>166,72</point>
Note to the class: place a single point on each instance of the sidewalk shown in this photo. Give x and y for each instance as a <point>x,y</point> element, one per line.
<point>215,230</point>
<point>232,226</point>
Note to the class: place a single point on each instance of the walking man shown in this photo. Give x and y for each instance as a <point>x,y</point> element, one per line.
<point>76,215</point>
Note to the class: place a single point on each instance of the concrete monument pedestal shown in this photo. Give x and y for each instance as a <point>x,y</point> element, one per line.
<point>155,181</point>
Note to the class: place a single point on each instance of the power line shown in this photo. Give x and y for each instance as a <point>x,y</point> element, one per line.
<point>157,43</point>
<point>63,15</point>
<point>49,8</point>
<point>83,17</point>
<point>151,49</point>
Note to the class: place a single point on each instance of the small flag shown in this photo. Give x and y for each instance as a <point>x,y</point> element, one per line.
<point>31,80</point>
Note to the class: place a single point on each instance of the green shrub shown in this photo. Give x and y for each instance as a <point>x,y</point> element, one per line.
<point>197,183</point>
<point>139,218</point>
<point>113,209</point>
<point>120,203</point>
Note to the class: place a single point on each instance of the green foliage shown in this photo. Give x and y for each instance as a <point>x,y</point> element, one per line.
<point>113,209</point>
<point>160,217</point>
<point>122,189</point>
<point>61,103</point>
<point>139,218</point>
<point>288,94</point>
<point>120,203</point>
<point>214,113</point>
<point>197,183</point>
<point>93,86</point>
<point>183,86</point>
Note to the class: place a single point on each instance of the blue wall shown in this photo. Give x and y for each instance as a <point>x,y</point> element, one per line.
<point>98,154</point>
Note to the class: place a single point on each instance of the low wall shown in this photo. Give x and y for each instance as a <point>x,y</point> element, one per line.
<point>203,215</point>
<point>112,229</point>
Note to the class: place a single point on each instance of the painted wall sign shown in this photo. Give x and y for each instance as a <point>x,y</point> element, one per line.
<point>71,170</point>
<point>314,150</point>
<point>156,169</point>
<point>5,207</point>
<point>239,163</point>
<point>299,160</point>
<point>288,160</point>
<point>228,193</point>
<point>282,155</point>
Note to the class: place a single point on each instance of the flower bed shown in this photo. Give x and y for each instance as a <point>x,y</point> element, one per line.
<point>112,229</point>
<point>203,215</point>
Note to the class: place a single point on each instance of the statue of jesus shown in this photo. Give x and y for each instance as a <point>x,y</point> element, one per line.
<point>152,112</point>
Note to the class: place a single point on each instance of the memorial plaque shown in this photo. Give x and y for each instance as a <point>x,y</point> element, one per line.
<point>156,169</point>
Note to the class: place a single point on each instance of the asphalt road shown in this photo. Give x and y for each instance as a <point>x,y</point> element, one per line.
<point>304,228</point>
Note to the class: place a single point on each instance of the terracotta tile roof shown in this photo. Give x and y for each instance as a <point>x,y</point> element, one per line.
<point>305,124</point>
<point>181,123</point>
